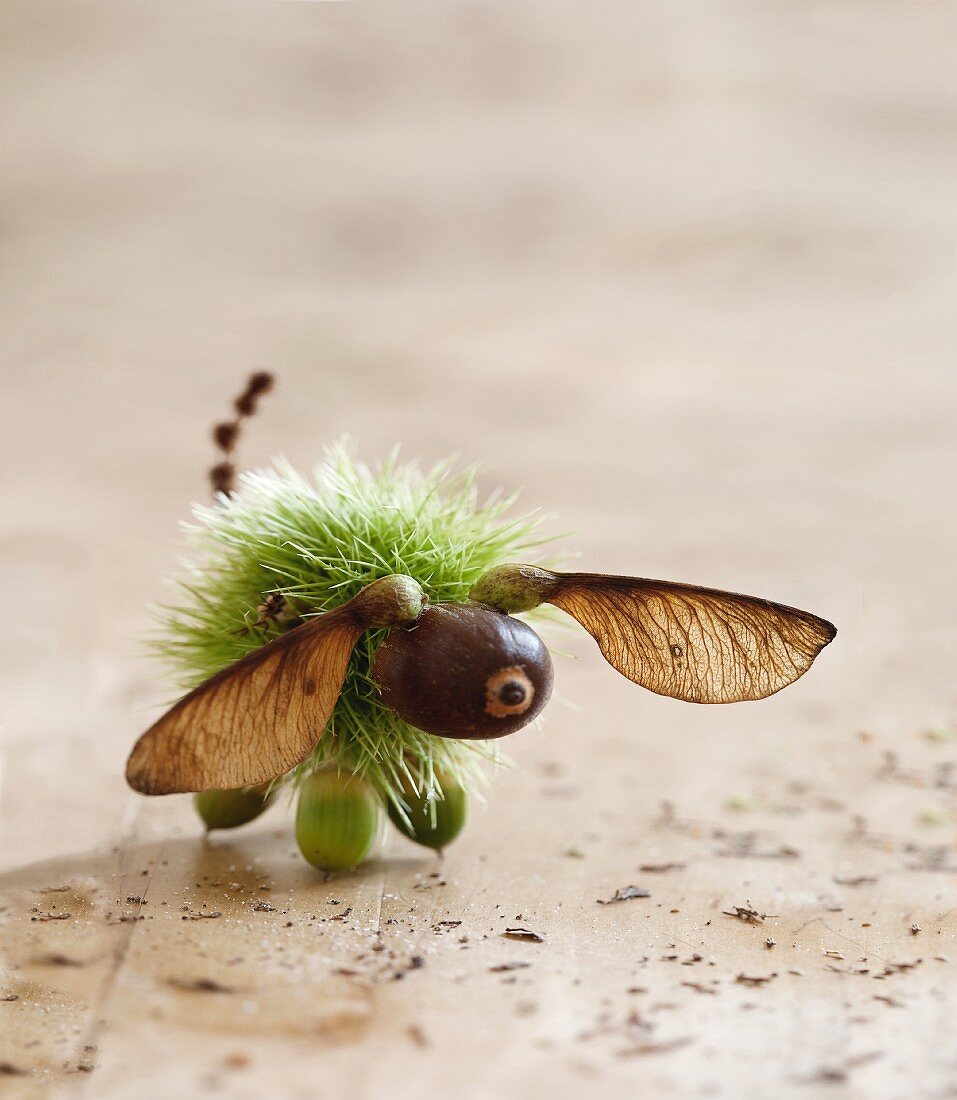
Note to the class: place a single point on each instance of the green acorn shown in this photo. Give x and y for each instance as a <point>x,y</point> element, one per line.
<point>228,809</point>
<point>436,821</point>
<point>337,819</point>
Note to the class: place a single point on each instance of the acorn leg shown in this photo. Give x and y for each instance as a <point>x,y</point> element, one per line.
<point>337,819</point>
<point>231,808</point>
<point>432,821</point>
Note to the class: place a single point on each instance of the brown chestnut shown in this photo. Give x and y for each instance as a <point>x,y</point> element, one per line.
<point>466,671</point>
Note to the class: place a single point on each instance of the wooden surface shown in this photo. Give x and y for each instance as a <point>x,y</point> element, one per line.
<point>686,274</point>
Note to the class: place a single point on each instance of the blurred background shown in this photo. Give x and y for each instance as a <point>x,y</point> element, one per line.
<point>683,273</point>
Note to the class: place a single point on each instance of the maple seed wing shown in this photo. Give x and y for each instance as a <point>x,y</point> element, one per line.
<point>254,720</point>
<point>696,644</point>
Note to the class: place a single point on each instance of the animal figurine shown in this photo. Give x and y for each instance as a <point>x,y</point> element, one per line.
<point>355,637</point>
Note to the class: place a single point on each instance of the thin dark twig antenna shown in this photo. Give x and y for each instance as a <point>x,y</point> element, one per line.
<point>222,476</point>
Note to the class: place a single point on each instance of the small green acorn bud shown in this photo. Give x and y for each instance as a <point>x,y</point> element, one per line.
<point>390,601</point>
<point>228,809</point>
<point>337,819</point>
<point>513,588</point>
<point>450,809</point>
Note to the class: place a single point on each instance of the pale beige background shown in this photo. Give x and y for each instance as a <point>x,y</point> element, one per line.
<point>685,272</point>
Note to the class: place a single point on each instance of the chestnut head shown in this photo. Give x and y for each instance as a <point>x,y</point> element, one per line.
<point>464,671</point>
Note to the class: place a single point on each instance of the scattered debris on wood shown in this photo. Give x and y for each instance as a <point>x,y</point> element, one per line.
<point>897,968</point>
<point>523,934</point>
<point>745,845</point>
<point>625,893</point>
<point>855,880</point>
<point>650,1046</point>
<point>748,914</point>
<point>835,1075</point>
<point>937,858</point>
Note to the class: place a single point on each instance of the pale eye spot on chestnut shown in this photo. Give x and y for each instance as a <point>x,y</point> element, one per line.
<point>508,691</point>
<point>676,651</point>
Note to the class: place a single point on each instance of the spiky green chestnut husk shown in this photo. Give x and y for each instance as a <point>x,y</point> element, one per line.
<point>433,818</point>
<point>337,820</point>
<point>316,543</point>
<point>231,808</point>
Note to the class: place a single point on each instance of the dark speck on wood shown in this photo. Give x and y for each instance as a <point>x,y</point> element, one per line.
<point>56,959</point>
<point>746,979</point>
<point>200,985</point>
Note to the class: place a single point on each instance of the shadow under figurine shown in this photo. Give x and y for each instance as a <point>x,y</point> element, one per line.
<point>355,637</point>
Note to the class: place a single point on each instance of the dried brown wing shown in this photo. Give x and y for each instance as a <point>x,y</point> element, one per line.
<point>252,721</point>
<point>691,643</point>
